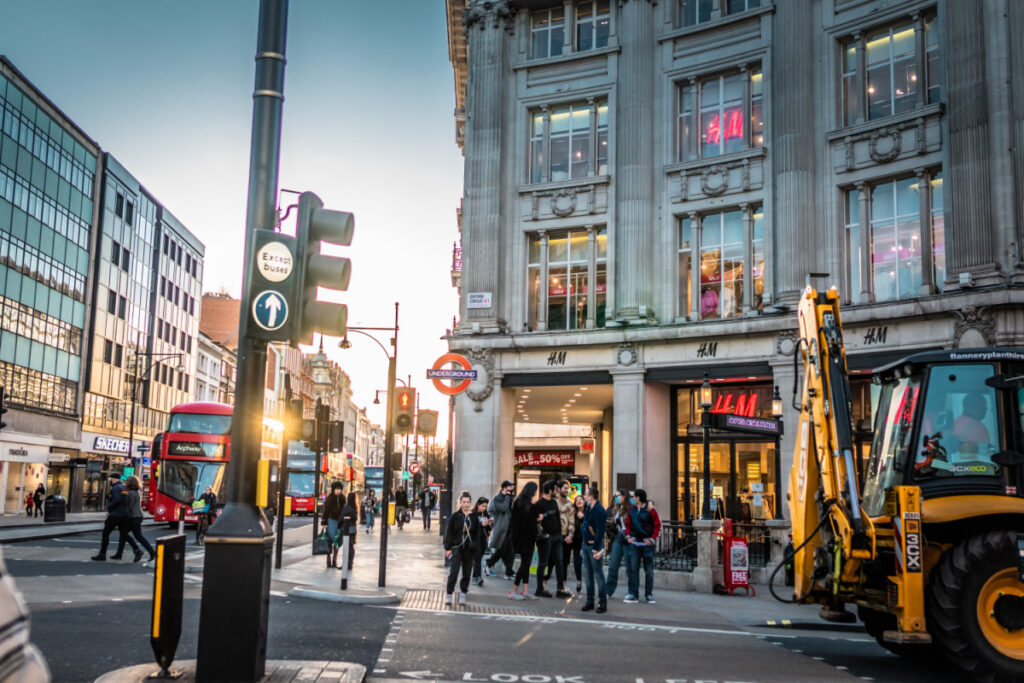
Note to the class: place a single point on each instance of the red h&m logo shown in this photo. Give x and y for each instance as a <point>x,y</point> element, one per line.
<point>745,406</point>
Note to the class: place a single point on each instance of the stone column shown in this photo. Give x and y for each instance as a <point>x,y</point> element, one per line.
<point>485,22</point>
<point>924,196</point>
<point>485,442</point>
<point>635,157</point>
<point>782,374</point>
<point>591,277</point>
<point>867,287</point>
<point>748,258</point>
<point>627,439</point>
<point>695,230</point>
<point>796,214</point>
<point>970,237</point>
<point>542,299</point>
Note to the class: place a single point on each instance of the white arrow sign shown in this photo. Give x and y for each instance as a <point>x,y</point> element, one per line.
<point>270,310</point>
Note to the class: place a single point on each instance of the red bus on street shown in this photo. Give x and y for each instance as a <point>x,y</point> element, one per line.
<point>189,456</point>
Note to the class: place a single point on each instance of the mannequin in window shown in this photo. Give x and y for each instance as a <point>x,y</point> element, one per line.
<point>708,303</point>
<point>728,302</point>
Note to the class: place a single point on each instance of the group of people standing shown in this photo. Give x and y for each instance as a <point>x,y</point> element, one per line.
<point>564,531</point>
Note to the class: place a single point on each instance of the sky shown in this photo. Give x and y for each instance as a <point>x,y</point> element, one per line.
<point>165,86</point>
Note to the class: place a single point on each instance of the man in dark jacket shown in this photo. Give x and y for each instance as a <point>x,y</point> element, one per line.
<point>593,550</point>
<point>118,517</point>
<point>459,539</point>
<point>500,509</point>
<point>427,501</point>
<point>401,505</point>
<point>549,540</point>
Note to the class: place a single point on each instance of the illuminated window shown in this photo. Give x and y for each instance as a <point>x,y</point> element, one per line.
<point>569,141</point>
<point>721,114</point>
<point>884,72</point>
<point>593,23</point>
<point>548,32</point>
<point>725,285</point>
<point>891,261</point>
<point>569,257</point>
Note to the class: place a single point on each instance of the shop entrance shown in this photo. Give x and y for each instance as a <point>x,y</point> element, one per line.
<point>742,479</point>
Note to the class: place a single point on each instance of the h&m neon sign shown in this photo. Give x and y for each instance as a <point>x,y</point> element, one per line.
<point>730,124</point>
<point>745,406</point>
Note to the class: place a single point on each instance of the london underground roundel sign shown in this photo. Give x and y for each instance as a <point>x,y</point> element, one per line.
<point>464,372</point>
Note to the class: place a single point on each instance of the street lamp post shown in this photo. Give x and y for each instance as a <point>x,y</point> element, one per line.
<point>777,414</point>
<point>705,423</point>
<point>389,435</point>
<point>156,358</point>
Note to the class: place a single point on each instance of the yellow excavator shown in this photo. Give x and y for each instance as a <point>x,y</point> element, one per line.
<point>931,549</point>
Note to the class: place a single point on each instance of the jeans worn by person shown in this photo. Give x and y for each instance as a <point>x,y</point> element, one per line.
<point>593,571</point>
<point>634,556</point>
<point>615,557</point>
<point>556,548</point>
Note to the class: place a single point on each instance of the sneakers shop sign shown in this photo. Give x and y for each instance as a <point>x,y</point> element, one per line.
<point>546,458</point>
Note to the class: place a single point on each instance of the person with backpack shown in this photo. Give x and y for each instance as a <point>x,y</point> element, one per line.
<point>460,539</point>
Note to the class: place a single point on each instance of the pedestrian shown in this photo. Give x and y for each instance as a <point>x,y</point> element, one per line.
<point>500,510</point>
<point>209,499</point>
<point>117,518</point>
<point>369,509</point>
<point>427,501</point>
<point>617,535</point>
<point>594,522</point>
<point>135,519</point>
<point>401,506</point>
<point>565,514</point>
<point>643,525</point>
<point>459,540</point>
<point>334,503</point>
<point>347,528</point>
<point>480,546</point>
<point>37,500</point>
<point>575,545</point>
<point>523,537</point>
<point>549,537</point>
<point>29,503</point>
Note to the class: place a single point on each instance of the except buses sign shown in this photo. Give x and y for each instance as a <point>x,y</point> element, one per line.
<point>463,372</point>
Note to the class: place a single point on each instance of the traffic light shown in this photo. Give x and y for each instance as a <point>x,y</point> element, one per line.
<point>426,423</point>
<point>294,418</point>
<point>307,433</point>
<point>3,406</point>
<point>404,410</point>
<point>313,269</point>
<point>337,438</point>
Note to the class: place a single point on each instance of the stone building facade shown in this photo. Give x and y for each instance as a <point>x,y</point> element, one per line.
<point>650,185</point>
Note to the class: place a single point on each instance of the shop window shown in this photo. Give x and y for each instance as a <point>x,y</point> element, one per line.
<point>720,114</point>
<point>718,245</point>
<point>575,262</point>
<point>593,24</point>
<point>569,141</point>
<point>547,32</point>
<point>895,258</point>
<point>891,70</point>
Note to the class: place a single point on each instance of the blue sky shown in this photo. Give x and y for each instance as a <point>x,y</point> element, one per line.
<point>166,87</point>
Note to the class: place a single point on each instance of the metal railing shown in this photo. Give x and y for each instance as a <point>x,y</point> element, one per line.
<point>677,547</point>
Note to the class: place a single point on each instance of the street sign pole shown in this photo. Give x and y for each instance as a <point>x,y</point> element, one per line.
<point>389,447</point>
<point>236,572</point>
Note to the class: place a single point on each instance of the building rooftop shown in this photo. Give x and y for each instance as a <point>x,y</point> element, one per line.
<point>219,320</point>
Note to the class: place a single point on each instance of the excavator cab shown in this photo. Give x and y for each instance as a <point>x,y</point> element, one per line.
<point>951,423</point>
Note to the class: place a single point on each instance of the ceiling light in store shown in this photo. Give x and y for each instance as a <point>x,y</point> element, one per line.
<point>584,388</point>
<point>577,394</point>
<point>526,391</point>
<point>572,400</point>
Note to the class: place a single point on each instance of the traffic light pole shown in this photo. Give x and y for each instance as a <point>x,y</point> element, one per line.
<point>236,571</point>
<point>389,447</point>
<point>320,427</point>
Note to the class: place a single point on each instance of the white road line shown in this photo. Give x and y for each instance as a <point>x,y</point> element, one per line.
<point>66,602</point>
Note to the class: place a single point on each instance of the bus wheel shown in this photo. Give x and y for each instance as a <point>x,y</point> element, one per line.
<point>976,607</point>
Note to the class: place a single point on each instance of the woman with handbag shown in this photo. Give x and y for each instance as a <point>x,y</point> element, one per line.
<point>334,504</point>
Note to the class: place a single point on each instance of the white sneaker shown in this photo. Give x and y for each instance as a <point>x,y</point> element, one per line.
<point>462,598</point>
<point>512,595</point>
<point>531,596</point>
<point>448,599</point>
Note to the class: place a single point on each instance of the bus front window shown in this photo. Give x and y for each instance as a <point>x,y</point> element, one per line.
<point>185,481</point>
<point>195,423</point>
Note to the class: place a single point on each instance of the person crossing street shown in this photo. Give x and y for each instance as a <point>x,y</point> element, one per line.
<point>427,501</point>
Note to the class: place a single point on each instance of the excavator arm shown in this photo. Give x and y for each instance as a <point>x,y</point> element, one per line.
<point>825,498</point>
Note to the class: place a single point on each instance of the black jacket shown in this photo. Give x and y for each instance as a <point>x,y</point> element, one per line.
<point>523,529</point>
<point>333,506</point>
<point>552,522</point>
<point>462,530</point>
<point>402,499</point>
<point>117,501</point>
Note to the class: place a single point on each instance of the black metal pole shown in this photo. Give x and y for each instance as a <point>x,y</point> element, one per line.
<point>449,477</point>
<point>320,426</point>
<point>131,418</point>
<point>382,570</point>
<point>236,573</point>
<point>282,482</point>
<point>705,424</point>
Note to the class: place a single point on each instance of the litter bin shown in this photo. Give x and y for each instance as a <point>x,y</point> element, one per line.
<point>54,509</point>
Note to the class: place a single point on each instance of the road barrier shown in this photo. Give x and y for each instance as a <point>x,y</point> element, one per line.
<point>168,595</point>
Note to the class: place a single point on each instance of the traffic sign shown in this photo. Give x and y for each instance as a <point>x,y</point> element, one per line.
<point>438,374</point>
<point>405,474</point>
<point>270,310</point>
<point>414,467</point>
<point>274,261</point>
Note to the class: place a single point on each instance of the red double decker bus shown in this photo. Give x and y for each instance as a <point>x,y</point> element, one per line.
<point>192,454</point>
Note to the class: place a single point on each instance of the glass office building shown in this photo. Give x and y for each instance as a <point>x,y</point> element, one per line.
<point>48,192</point>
